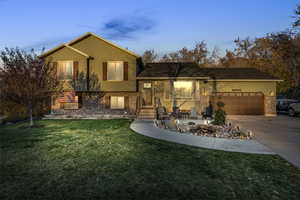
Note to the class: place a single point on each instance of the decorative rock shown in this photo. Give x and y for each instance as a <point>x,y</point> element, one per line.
<point>209,130</point>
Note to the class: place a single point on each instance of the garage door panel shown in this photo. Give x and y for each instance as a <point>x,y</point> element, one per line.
<point>241,104</point>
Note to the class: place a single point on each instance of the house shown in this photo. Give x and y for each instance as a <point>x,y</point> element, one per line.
<point>124,84</point>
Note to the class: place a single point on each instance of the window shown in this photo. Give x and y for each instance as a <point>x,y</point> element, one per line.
<point>65,70</point>
<point>117,102</point>
<point>115,71</point>
<point>183,89</point>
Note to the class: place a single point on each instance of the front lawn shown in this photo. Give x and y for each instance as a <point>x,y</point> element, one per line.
<point>104,159</point>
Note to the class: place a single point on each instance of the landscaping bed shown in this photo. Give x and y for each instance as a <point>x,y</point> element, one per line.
<point>205,128</point>
<point>104,159</point>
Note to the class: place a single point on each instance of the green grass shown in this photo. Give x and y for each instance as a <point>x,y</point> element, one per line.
<point>104,159</point>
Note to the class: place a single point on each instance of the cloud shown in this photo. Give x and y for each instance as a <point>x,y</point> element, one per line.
<point>119,28</point>
<point>126,27</point>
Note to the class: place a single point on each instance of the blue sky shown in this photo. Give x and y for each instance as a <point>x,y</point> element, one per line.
<point>163,25</point>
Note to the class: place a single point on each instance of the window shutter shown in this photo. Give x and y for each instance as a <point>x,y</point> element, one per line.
<point>75,70</point>
<point>126,99</point>
<point>104,71</point>
<point>107,102</point>
<point>55,68</point>
<point>125,71</point>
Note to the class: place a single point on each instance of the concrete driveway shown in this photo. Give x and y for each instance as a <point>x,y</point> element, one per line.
<point>281,134</point>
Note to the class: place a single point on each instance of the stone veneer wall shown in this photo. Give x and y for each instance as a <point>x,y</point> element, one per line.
<point>270,106</point>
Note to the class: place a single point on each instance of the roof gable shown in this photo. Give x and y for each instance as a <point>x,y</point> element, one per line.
<point>84,36</point>
<point>88,34</point>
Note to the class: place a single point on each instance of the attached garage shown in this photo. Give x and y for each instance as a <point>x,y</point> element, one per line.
<point>241,103</point>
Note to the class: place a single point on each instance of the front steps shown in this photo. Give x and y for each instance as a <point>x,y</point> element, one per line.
<point>146,113</point>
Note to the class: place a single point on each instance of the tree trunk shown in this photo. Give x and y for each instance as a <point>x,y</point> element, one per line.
<point>31,118</point>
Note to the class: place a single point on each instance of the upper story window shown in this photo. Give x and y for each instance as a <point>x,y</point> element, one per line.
<point>65,70</point>
<point>183,89</point>
<point>115,71</point>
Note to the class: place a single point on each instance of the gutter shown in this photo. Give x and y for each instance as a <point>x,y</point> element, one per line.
<point>173,78</point>
<point>264,80</point>
<point>88,72</point>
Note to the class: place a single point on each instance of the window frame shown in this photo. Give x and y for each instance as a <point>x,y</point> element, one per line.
<point>117,108</point>
<point>183,97</point>
<point>72,69</point>
<point>107,71</point>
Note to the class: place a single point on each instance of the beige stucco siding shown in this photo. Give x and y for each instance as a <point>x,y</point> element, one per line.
<point>101,51</point>
<point>268,88</point>
<point>66,54</point>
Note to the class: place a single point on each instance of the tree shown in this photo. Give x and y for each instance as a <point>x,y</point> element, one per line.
<point>276,53</point>
<point>198,54</point>
<point>149,56</point>
<point>220,114</point>
<point>297,17</point>
<point>27,79</point>
<point>214,58</point>
<point>92,99</point>
<point>228,60</point>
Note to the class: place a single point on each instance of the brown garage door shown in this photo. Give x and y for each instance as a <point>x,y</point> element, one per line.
<point>241,103</point>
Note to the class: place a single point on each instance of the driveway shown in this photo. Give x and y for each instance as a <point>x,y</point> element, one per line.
<point>281,134</point>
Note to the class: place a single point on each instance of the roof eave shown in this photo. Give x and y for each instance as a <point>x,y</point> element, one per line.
<point>47,53</point>
<point>276,80</point>
<point>50,51</point>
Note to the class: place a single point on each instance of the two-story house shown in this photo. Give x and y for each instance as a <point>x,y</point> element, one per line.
<point>123,83</point>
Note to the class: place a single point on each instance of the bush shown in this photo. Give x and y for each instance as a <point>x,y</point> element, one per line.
<point>14,112</point>
<point>220,114</point>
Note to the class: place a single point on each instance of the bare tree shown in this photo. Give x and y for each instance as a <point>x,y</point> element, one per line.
<point>214,57</point>
<point>198,54</point>
<point>149,56</point>
<point>297,17</point>
<point>27,79</point>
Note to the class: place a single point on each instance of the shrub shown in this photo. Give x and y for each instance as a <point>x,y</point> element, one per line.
<point>220,114</point>
<point>15,112</point>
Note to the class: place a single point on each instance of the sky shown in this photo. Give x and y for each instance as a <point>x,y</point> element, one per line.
<point>162,25</point>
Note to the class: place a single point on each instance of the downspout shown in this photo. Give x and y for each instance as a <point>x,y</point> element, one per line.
<point>88,72</point>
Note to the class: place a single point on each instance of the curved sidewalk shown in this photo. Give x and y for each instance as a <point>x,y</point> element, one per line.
<point>147,128</point>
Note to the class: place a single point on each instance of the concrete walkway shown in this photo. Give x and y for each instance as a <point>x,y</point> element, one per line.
<point>147,128</point>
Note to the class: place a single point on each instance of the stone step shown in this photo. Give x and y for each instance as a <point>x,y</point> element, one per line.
<point>146,117</point>
<point>147,111</point>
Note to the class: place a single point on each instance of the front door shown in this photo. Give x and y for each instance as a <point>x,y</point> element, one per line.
<point>147,94</point>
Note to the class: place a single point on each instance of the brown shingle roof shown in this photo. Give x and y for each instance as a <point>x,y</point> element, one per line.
<point>173,69</point>
<point>237,73</point>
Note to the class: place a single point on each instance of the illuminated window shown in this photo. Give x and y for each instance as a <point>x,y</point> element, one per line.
<point>65,70</point>
<point>183,89</point>
<point>115,71</point>
<point>117,102</point>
